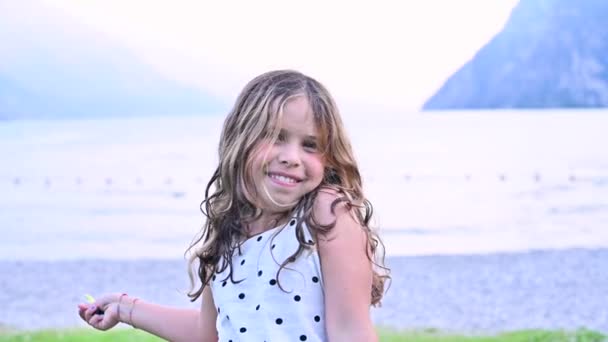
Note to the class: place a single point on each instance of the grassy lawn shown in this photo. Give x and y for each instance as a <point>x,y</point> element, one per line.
<point>130,335</point>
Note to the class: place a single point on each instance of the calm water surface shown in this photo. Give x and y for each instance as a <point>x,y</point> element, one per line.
<point>441,183</point>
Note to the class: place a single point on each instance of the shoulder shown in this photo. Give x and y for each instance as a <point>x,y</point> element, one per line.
<point>327,207</point>
<point>331,208</point>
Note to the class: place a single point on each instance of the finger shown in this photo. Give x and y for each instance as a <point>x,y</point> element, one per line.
<point>81,309</point>
<point>90,312</point>
<point>104,323</point>
<point>85,315</point>
<point>98,322</point>
<point>94,320</point>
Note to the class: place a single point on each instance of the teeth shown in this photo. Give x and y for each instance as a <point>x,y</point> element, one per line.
<point>283,178</point>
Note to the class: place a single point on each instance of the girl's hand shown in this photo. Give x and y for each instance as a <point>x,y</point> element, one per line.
<point>109,305</point>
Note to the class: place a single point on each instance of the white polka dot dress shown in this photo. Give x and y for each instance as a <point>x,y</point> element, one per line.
<point>256,309</point>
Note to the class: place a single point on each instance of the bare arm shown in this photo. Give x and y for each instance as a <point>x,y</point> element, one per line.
<point>169,323</point>
<point>347,274</point>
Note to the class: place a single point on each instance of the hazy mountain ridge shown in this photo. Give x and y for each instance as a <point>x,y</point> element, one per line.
<point>550,54</point>
<point>53,66</point>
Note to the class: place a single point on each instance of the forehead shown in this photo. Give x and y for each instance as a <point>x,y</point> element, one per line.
<point>298,117</point>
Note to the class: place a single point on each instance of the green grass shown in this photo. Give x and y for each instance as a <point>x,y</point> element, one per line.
<point>433,335</point>
<point>79,335</point>
<point>386,335</point>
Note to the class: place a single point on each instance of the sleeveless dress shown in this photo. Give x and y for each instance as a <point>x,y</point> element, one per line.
<point>254,308</point>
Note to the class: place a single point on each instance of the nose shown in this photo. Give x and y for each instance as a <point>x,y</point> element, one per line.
<point>289,155</point>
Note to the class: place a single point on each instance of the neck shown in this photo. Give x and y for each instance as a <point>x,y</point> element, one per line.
<point>266,222</point>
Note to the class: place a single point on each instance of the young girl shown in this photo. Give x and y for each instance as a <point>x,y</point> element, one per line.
<point>286,253</point>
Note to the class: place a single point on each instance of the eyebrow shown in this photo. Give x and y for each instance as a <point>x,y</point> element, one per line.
<point>312,137</point>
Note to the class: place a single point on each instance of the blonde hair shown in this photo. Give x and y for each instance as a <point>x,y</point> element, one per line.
<point>227,204</point>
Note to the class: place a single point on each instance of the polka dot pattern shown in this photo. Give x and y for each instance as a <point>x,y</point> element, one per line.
<point>252,306</point>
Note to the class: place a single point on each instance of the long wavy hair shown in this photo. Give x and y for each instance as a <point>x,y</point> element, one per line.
<point>228,204</point>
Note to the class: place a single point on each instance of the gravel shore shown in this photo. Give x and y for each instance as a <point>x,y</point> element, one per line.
<point>553,289</point>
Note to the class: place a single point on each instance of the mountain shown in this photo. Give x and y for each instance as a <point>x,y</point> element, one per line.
<point>52,66</point>
<point>550,54</point>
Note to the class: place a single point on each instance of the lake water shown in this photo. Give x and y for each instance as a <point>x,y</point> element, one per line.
<point>440,183</point>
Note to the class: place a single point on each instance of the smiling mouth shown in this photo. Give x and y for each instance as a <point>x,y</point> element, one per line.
<point>283,179</point>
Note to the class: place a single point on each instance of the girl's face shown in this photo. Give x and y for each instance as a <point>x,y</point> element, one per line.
<point>285,171</point>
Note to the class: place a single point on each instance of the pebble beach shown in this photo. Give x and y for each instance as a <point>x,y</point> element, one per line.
<point>477,294</point>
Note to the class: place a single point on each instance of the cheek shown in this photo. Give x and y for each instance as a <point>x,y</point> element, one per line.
<point>261,155</point>
<point>315,166</point>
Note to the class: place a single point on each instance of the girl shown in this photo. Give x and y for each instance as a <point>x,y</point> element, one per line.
<point>286,253</point>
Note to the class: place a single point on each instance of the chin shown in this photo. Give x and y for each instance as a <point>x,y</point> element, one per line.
<point>283,204</point>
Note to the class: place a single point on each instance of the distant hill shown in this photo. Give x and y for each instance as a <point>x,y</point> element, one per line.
<point>52,66</point>
<point>550,54</point>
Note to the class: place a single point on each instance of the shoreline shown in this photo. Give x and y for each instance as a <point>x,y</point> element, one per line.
<point>473,293</point>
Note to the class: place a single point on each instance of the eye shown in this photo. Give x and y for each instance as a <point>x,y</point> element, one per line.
<point>310,145</point>
<point>282,137</point>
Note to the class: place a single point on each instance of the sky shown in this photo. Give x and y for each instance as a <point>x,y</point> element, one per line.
<point>389,54</point>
